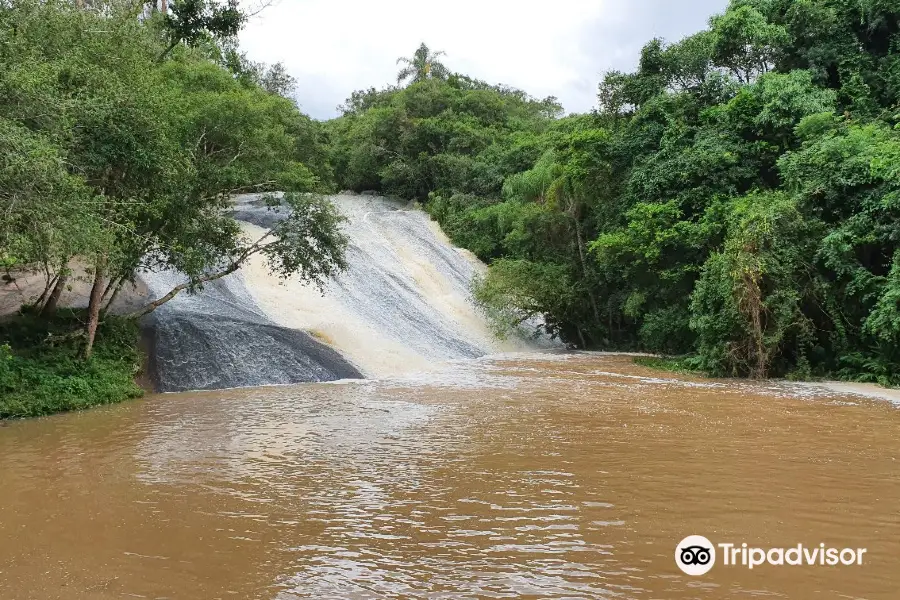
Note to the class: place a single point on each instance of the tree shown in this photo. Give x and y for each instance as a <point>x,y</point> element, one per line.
<point>306,243</point>
<point>455,136</point>
<point>733,198</point>
<point>745,42</point>
<point>423,65</point>
<point>561,180</point>
<point>276,80</point>
<point>193,21</point>
<point>747,307</point>
<point>130,163</point>
<point>46,216</point>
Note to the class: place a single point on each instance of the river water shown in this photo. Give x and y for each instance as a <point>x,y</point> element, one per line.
<point>557,476</point>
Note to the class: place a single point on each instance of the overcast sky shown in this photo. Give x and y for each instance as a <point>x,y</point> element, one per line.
<point>557,48</point>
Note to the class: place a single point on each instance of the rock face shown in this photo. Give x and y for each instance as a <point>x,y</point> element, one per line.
<point>199,352</point>
<point>218,339</point>
<point>403,305</point>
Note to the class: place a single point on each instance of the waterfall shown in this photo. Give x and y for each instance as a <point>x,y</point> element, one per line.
<point>219,339</point>
<point>403,305</point>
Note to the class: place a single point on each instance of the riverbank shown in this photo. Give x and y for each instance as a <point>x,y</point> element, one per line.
<point>682,366</point>
<point>40,377</point>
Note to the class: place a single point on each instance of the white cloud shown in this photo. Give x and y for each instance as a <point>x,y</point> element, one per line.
<point>558,48</point>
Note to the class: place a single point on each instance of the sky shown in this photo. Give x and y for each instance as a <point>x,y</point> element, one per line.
<point>550,48</point>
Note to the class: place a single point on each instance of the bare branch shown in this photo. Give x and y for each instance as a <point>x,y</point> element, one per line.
<point>254,248</point>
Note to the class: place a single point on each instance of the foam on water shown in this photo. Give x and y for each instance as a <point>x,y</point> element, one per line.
<point>403,306</point>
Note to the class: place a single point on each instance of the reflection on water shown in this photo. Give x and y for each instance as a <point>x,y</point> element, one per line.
<point>568,476</point>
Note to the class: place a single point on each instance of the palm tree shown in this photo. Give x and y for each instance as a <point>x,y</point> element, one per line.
<point>423,65</point>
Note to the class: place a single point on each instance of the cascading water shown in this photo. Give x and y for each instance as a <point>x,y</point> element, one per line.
<point>403,305</point>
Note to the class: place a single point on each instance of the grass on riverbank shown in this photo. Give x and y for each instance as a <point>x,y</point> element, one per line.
<point>670,364</point>
<point>40,377</point>
<point>683,366</point>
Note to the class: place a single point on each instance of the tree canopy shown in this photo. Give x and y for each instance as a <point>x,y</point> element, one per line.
<point>423,65</point>
<point>123,149</point>
<point>732,200</point>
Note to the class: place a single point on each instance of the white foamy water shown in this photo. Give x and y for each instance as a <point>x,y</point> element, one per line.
<point>403,304</point>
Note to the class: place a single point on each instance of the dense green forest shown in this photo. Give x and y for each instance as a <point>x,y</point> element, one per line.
<point>734,201</point>
<point>124,133</point>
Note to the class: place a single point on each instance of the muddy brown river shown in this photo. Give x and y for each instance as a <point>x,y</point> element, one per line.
<point>569,476</point>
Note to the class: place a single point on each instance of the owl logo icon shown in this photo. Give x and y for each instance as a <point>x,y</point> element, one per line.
<point>695,555</point>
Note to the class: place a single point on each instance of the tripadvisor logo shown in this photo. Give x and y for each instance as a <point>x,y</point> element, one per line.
<point>696,555</point>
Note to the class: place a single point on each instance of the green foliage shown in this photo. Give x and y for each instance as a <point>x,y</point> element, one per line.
<point>39,376</point>
<point>680,365</point>
<point>518,290</point>
<point>733,200</point>
<point>44,221</point>
<point>736,198</point>
<point>194,21</point>
<point>747,305</point>
<point>308,242</point>
<point>144,154</point>
<point>454,136</point>
<point>124,154</point>
<point>745,42</point>
<point>423,65</point>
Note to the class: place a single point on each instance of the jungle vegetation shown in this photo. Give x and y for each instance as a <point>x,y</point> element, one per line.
<point>124,133</point>
<point>734,201</point>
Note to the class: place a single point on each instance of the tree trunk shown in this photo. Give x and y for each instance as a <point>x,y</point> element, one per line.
<point>165,52</point>
<point>584,270</point>
<point>110,286</point>
<point>112,298</point>
<point>51,283</point>
<point>609,310</point>
<point>164,6</point>
<point>751,304</point>
<point>94,308</point>
<point>581,337</point>
<point>53,301</point>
